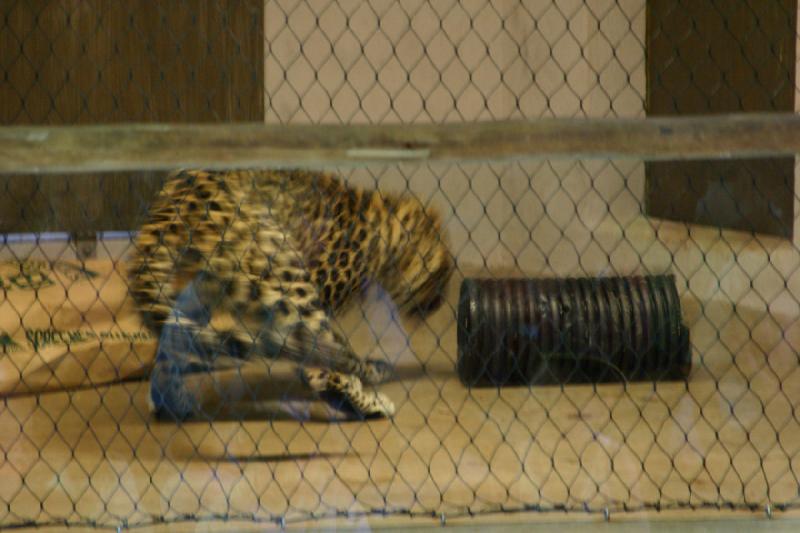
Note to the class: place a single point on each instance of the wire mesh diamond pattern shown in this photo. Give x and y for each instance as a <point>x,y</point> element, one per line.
<point>87,450</point>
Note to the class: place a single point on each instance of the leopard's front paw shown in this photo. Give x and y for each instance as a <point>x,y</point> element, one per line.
<point>346,392</point>
<point>363,403</point>
<point>383,406</point>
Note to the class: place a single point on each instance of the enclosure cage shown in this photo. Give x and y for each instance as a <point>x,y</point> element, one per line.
<point>621,173</point>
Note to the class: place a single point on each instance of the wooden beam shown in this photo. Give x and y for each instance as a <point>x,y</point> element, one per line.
<point>167,146</point>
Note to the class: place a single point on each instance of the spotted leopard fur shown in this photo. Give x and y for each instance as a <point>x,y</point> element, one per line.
<point>274,254</point>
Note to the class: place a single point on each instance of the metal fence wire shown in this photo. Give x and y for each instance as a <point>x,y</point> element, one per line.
<point>79,443</point>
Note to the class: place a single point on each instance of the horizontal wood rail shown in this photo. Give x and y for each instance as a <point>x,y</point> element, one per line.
<point>119,147</point>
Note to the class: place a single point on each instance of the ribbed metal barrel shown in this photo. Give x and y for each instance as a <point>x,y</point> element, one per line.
<point>574,330</point>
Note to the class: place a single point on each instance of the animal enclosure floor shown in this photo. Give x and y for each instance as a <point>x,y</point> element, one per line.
<point>97,455</point>
<point>728,437</point>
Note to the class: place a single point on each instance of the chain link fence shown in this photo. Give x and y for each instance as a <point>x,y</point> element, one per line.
<point>79,443</point>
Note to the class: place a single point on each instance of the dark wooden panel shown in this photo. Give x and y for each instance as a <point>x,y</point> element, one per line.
<point>717,56</point>
<point>101,61</point>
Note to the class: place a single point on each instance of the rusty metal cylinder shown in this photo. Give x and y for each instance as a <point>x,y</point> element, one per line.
<point>573,330</point>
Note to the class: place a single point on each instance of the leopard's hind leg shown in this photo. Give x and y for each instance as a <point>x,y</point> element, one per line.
<point>300,330</point>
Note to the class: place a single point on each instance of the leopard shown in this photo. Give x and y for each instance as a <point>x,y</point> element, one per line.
<point>275,255</point>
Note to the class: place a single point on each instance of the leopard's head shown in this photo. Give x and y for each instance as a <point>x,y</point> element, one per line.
<point>419,264</point>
